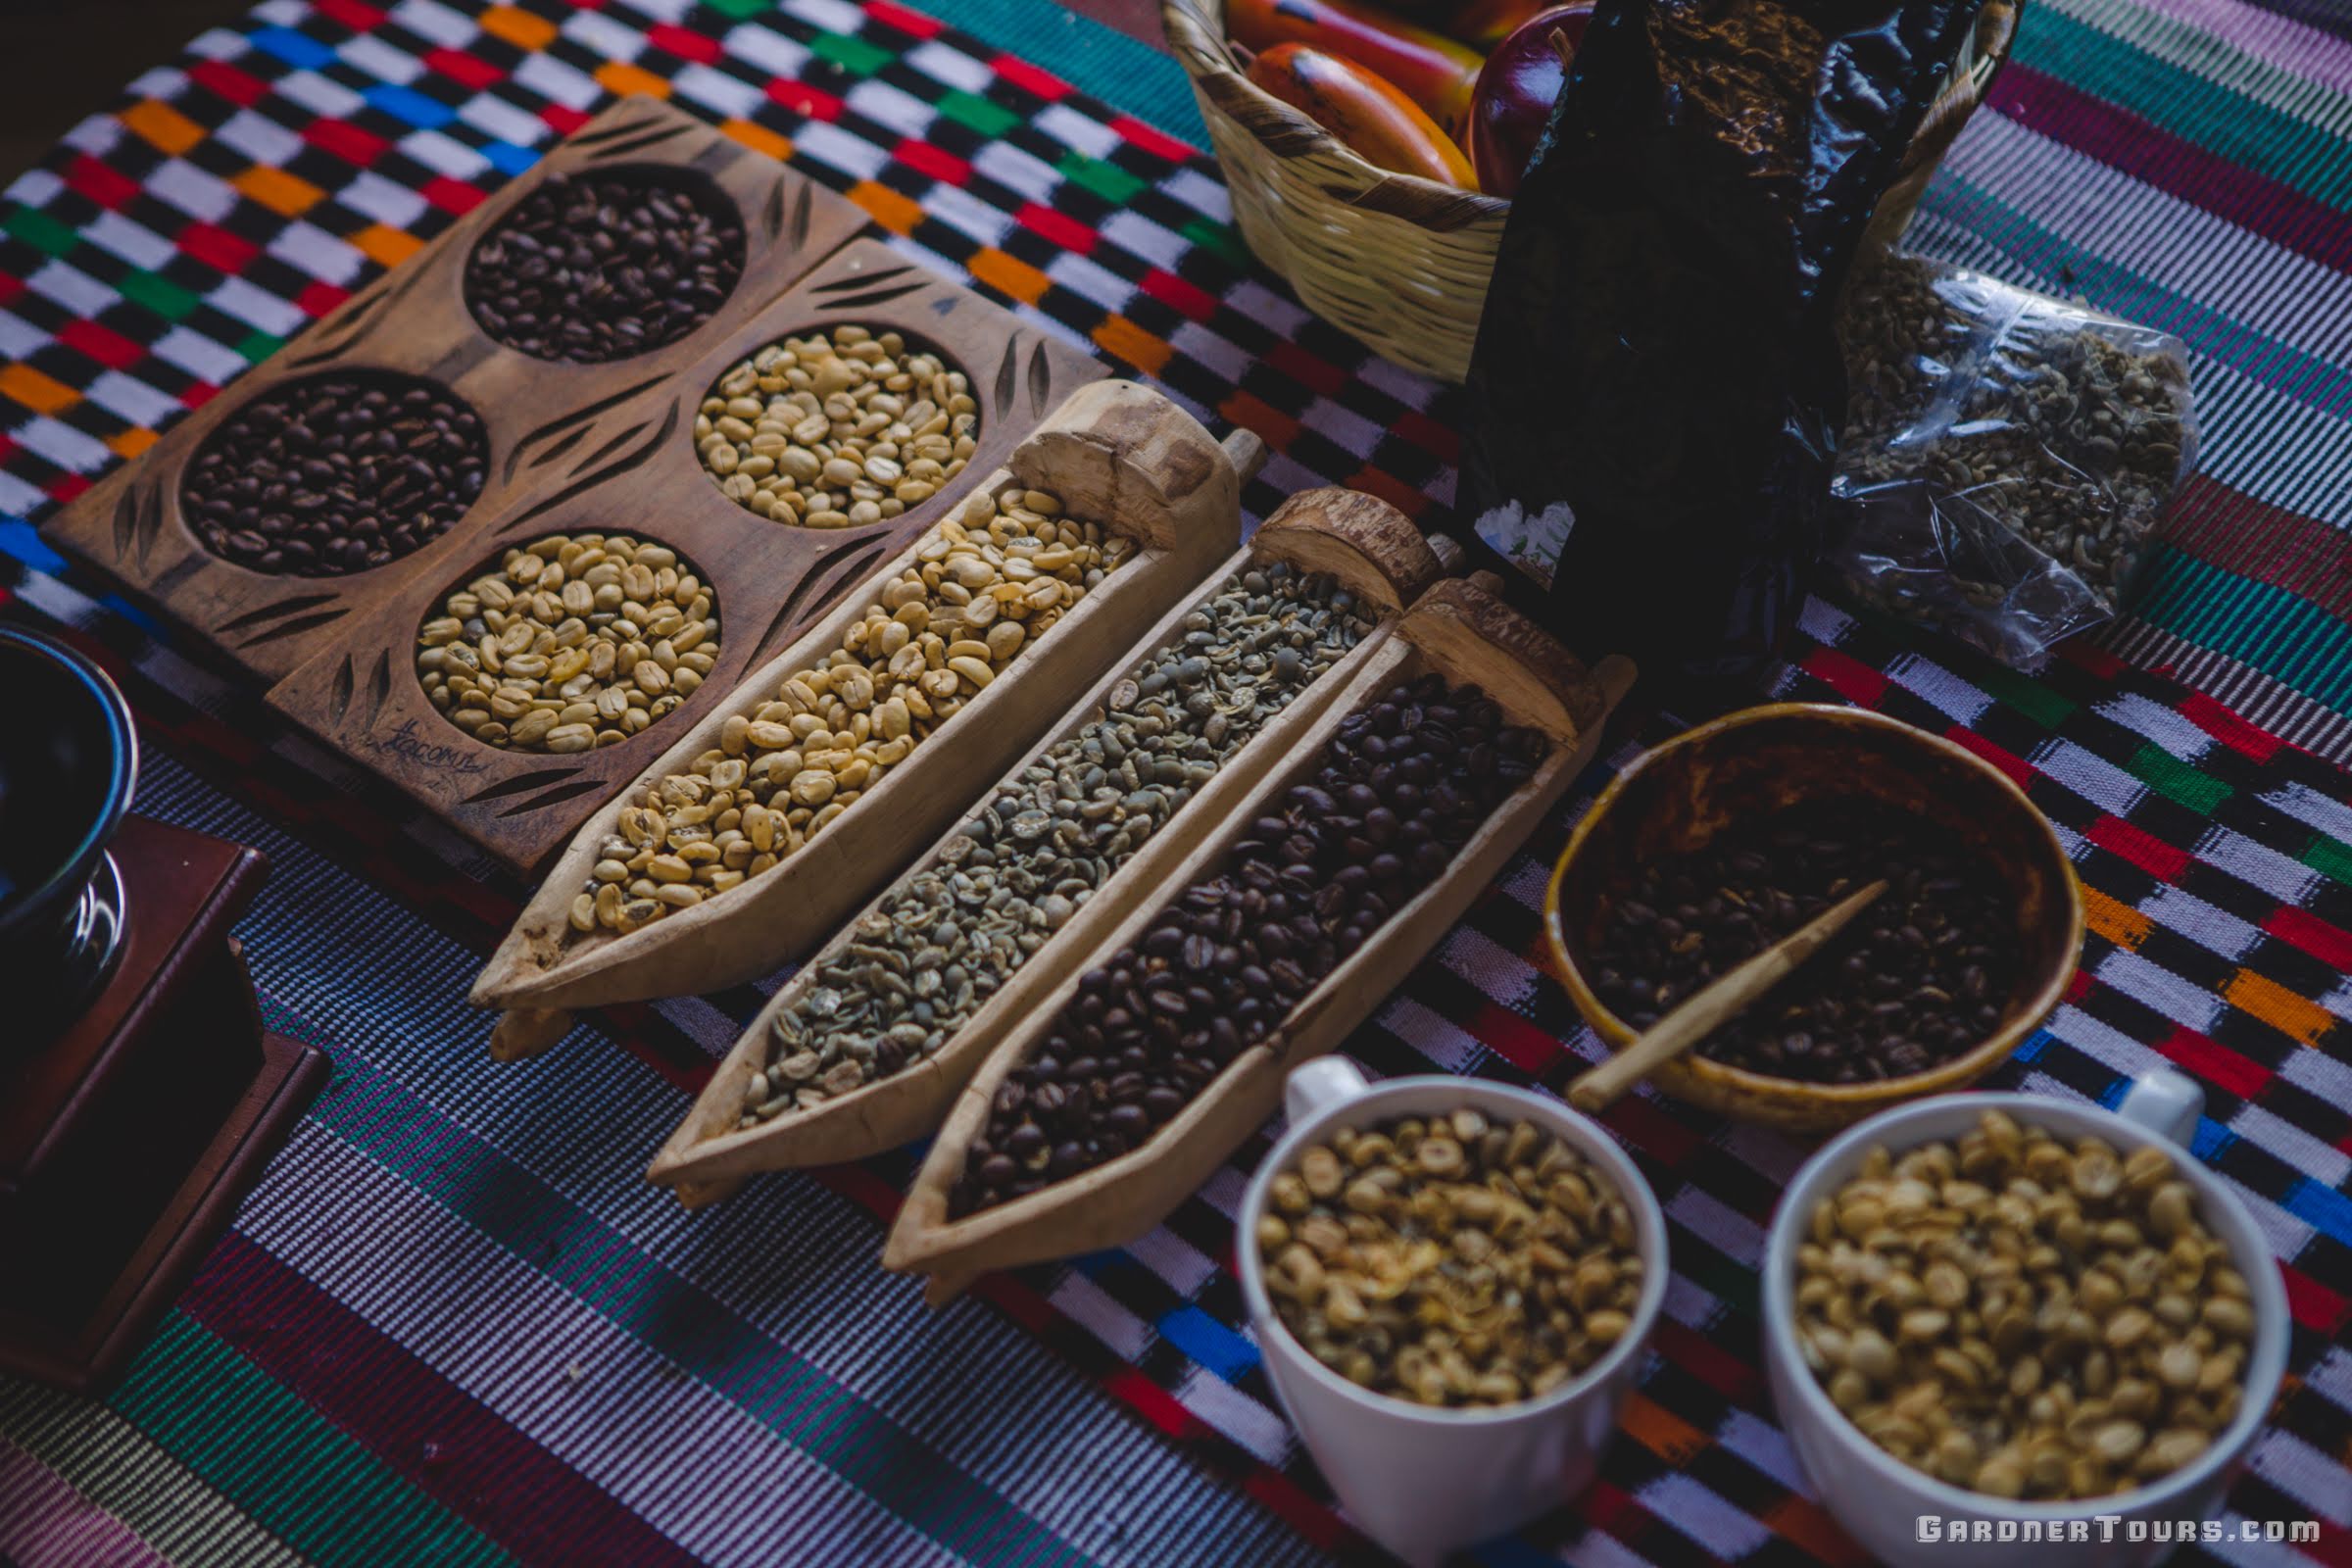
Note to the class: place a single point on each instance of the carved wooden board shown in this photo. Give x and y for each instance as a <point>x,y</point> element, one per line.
<point>769,580</point>
<point>542,418</point>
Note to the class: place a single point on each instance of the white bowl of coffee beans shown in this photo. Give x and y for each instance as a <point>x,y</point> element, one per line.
<point>2011,1319</point>
<point>1453,1283</point>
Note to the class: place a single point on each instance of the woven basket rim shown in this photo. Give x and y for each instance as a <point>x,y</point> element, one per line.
<point>1195,30</point>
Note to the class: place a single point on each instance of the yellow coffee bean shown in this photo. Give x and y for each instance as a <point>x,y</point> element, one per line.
<point>2062,1306</point>
<point>788,768</point>
<point>570,667</point>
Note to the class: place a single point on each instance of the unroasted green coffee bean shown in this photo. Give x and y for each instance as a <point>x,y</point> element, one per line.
<point>1403,782</point>
<point>788,768</point>
<point>1466,1264</point>
<point>2061,431</point>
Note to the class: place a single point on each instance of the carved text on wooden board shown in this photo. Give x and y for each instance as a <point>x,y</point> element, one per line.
<point>441,757</point>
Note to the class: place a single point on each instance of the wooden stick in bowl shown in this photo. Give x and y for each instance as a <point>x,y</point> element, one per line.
<point>1714,1004</point>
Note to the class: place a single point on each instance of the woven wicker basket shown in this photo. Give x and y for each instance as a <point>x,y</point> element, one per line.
<point>1401,262</point>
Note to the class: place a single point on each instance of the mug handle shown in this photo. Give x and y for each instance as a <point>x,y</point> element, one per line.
<point>2166,1103</point>
<point>1318,1085</point>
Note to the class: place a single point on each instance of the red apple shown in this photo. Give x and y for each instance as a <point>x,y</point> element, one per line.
<point>1516,89</point>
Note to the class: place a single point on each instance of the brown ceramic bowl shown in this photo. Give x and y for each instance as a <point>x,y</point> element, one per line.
<point>1755,762</point>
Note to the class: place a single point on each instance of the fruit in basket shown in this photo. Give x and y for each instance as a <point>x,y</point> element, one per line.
<point>1432,69</point>
<point>1516,90</point>
<point>1365,111</point>
<point>1482,24</point>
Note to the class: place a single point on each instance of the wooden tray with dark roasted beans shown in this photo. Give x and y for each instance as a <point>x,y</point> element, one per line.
<point>866,1047</point>
<point>1145,1067</point>
<point>509,356</point>
<point>775,810</point>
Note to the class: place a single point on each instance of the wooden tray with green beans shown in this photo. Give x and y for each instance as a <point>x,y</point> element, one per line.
<point>866,1047</point>
<point>730,854</point>
<point>1456,631</point>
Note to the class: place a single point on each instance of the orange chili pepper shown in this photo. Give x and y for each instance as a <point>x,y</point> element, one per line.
<point>1432,69</point>
<point>1365,111</point>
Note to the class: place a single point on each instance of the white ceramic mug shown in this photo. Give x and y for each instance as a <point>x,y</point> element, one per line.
<point>1423,1481</point>
<point>1880,1499</point>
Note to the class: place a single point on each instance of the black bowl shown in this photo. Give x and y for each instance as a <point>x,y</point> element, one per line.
<point>68,761</point>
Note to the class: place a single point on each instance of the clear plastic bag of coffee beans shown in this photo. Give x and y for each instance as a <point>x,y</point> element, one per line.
<point>2008,457</point>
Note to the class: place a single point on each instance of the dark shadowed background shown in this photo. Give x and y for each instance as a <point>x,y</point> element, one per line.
<point>68,58</point>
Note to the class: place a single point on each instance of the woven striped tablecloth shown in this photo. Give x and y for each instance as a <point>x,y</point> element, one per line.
<point>453,1325</point>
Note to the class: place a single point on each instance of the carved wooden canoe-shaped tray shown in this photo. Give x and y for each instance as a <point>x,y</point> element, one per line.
<point>1377,554</point>
<point>1117,455</point>
<point>768,581</point>
<point>541,418</point>
<point>1456,629</point>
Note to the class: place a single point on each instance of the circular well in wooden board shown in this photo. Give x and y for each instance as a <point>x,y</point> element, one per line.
<point>696,186</point>
<point>310,383</point>
<point>495,566</point>
<point>913,342</point>
<point>795,315</point>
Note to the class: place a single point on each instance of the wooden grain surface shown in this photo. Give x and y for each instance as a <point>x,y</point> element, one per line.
<point>150,1119</point>
<point>770,582</point>
<point>192,887</point>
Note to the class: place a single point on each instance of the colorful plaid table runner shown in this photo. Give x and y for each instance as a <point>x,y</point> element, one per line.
<point>453,1325</point>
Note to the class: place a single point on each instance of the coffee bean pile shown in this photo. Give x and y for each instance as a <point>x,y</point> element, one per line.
<point>1916,979</point>
<point>589,270</point>
<point>2025,1316</point>
<point>984,586</point>
<point>1450,1260</point>
<point>1401,788</point>
<point>837,429</point>
<point>335,473</point>
<point>949,935</point>
<point>575,640</point>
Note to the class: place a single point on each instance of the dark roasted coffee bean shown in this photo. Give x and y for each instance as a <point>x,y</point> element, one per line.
<point>1885,1002</point>
<point>355,504</point>
<point>588,270</point>
<point>1227,959</point>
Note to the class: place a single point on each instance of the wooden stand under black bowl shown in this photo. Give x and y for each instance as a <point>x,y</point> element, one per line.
<point>126,1143</point>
